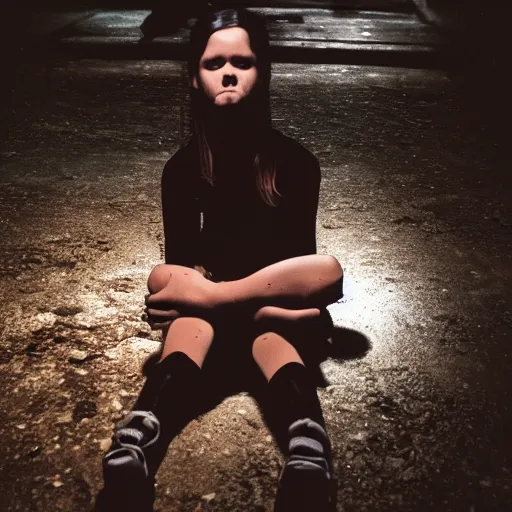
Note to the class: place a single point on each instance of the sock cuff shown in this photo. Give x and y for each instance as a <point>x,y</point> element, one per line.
<point>294,372</point>
<point>178,364</point>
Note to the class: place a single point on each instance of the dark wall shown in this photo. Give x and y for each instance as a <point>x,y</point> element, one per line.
<point>478,50</point>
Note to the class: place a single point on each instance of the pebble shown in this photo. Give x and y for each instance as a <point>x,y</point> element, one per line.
<point>486,482</point>
<point>117,405</point>
<point>65,418</point>
<point>360,436</point>
<point>409,474</point>
<point>208,497</point>
<point>77,356</point>
<point>105,444</point>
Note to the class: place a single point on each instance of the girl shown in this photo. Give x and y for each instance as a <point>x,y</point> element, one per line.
<point>239,211</point>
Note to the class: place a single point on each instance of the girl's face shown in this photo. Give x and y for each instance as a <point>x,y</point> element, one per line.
<point>227,68</point>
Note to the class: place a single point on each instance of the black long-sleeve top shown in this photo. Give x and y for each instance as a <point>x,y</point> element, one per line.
<point>240,233</point>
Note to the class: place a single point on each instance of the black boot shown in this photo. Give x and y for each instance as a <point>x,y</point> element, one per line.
<point>165,405</point>
<point>306,482</point>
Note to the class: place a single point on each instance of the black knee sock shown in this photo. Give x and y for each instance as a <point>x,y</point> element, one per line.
<point>176,374</point>
<point>293,395</point>
<point>172,391</point>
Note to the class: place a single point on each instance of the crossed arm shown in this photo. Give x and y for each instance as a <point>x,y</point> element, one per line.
<point>302,286</point>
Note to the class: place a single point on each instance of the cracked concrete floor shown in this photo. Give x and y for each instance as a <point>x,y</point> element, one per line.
<point>414,203</point>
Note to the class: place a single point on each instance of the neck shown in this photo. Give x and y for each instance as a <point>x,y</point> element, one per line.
<point>231,132</point>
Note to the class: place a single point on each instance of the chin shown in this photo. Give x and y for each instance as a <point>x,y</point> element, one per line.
<point>227,99</point>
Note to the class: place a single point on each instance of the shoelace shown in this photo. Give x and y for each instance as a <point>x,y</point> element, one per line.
<point>139,428</point>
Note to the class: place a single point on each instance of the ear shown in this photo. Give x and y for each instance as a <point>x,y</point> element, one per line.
<point>195,83</point>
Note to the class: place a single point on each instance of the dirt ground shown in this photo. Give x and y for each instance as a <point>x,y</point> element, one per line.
<point>415,203</point>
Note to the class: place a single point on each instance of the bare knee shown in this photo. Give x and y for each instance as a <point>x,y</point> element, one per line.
<point>271,352</point>
<point>159,277</point>
<point>190,335</point>
<point>332,268</point>
<point>333,277</point>
<point>263,345</point>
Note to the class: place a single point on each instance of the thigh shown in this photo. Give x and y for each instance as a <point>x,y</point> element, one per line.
<point>294,325</point>
<point>191,335</point>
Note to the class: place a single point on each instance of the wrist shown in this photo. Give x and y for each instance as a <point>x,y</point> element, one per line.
<point>226,294</point>
<point>214,294</point>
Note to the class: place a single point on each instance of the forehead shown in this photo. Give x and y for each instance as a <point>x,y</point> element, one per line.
<point>228,41</point>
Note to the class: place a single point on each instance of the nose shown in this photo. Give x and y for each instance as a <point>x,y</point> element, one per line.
<point>228,80</point>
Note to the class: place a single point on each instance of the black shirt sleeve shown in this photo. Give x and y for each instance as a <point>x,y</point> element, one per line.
<point>303,190</point>
<point>180,212</point>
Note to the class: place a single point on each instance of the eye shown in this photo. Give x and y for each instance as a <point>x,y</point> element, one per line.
<point>243,62</point>
<point>213,64</point>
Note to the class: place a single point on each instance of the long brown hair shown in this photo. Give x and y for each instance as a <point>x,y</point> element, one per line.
<point>264,165</point>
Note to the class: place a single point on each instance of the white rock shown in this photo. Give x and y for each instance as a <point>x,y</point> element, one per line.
<point>78,355</point>
<point>208,497</point>
<point>105,444</point>
<point>42,320</point>
<point>117,405</point>
<point>67,417</point>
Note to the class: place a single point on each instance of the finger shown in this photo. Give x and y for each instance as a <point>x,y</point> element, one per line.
<point>163,306</point>
<point>156,297</point>
<point>157,314</point>
<point>160,326</point>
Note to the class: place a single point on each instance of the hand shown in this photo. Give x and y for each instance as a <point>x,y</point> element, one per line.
<point>186,291</point>
<point>159,316</point>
